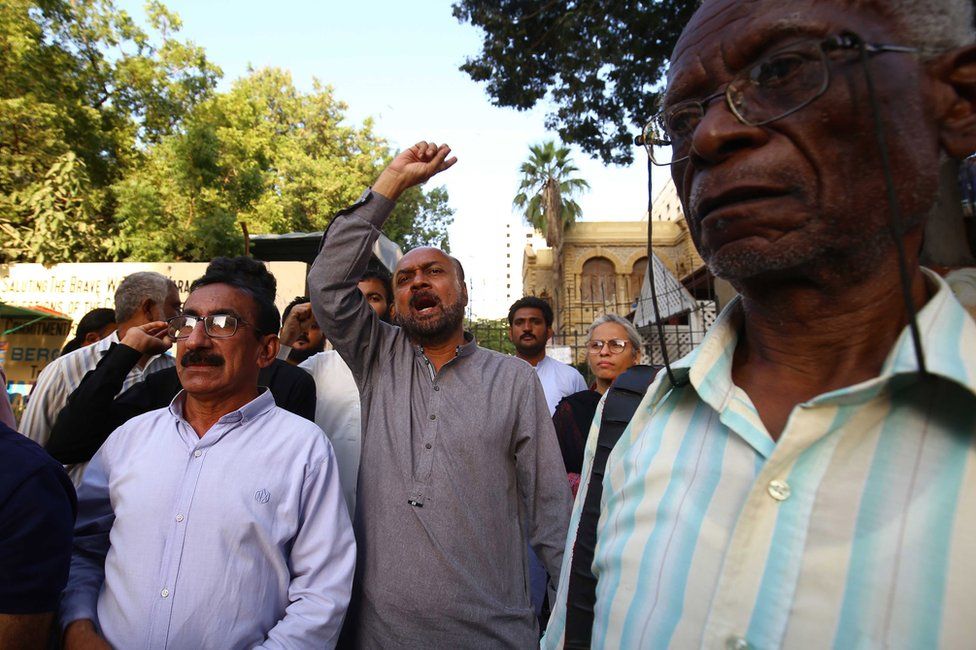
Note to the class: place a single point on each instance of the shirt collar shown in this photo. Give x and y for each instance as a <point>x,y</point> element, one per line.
<point>465,349</point>
<point>946,329</point>
<point>948,336</point>
<point>102,346</point>
<point>258,406</point>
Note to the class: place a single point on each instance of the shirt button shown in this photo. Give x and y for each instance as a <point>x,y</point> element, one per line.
<point>197,453</point>
<point>437,387</point>
<point>433,417</point>
<point>428,446</point>
<point>179,517</point>
<point>779,490</point>
<point>164,593</point>
<point>736,643</point>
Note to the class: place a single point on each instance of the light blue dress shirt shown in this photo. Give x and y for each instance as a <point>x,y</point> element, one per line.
<point>238,539</point>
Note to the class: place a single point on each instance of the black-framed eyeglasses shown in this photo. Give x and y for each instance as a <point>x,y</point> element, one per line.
<point>217,326</point>
<point>616,346</point>
<point>774,87</point>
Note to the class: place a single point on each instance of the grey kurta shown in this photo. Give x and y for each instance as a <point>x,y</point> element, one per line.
<point>456,469</point>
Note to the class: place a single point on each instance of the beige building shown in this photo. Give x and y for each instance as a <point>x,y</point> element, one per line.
<point>604,265</point>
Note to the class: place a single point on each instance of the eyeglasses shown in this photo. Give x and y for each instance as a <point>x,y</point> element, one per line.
<point>217,326</point>
<point>776,86</point>
<point>616,346</point>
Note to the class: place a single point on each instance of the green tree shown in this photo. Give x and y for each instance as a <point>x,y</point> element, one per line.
<point>80,78</point>
<point>266,154</point>
<point>600,62</point>
<point>114,144</point>
<point>545,197</point>
<point>59,210</point>
<point>491,333</point>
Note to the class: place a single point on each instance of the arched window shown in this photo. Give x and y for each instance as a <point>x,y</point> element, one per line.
<point>637,278</point>
<point>598,281</point>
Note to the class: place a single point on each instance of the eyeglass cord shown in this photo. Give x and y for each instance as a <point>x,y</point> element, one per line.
<point>896,225</point>
<point>650,277</point>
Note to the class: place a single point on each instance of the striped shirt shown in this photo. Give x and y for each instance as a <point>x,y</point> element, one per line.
<point>856,529</point>
<point>60,378</point>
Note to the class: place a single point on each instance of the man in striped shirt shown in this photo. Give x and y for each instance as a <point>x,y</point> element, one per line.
<point>141,298</point>
<point>807,476</point>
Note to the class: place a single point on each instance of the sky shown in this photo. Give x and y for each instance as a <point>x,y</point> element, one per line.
<point>397,62</point>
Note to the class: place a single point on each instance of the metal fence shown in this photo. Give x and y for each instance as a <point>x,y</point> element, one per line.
<point>584,298</point>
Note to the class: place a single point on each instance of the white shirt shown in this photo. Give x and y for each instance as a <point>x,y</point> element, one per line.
<point>61,377</point>
<point>238,539</point>
<point>337,414</point>
<point>558,381</point>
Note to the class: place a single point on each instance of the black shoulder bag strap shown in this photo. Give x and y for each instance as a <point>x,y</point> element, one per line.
<point>622,401</point>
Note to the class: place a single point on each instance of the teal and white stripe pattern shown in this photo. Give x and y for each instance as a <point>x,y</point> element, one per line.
<point>857,529</point>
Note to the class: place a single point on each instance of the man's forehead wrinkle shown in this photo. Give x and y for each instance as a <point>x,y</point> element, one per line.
<point>742,50</point>
<point>710,28</point>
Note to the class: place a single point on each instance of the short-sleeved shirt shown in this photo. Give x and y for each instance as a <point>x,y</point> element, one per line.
<point>37,515</point>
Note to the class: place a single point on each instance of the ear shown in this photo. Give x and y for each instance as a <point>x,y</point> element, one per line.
<point>464,293</point>
<point>269,350</point>
<point>91,337</point>
<point>146,308</point>
<point>956,70</point>
<point>549,333</point>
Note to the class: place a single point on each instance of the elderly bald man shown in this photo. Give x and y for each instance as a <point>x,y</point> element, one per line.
<point>459,459</point>
<point>807,476</point>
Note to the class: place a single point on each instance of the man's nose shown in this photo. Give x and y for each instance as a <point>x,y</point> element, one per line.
<point>419,280</point>
<point>198,336</point>
<point>720,134</point>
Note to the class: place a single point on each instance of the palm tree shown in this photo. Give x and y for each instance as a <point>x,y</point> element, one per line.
<point>545,197</point>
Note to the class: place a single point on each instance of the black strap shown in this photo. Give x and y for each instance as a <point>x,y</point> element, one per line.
<point>623,398</point>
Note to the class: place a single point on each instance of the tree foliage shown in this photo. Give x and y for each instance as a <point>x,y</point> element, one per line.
<point>59,209</point>
<point>599,62</point>
<point>114,144</point>
<point>266,154</point>
<point>491,333</point>
<point>546,190</point>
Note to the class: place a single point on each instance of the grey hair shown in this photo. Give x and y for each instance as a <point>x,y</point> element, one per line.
<point>636,342</point>
<point>932,26</point>
<point>136,288</point>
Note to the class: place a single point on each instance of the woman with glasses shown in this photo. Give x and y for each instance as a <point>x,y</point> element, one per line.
<point>613,345</point>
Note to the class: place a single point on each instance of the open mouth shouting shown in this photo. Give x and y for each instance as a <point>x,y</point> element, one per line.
<point>425,304</point>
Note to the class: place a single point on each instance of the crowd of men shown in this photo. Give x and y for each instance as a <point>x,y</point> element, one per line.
<point>805,478</point>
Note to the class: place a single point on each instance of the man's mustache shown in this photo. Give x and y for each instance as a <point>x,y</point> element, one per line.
<point>201,358</point>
